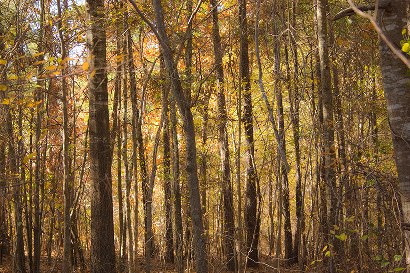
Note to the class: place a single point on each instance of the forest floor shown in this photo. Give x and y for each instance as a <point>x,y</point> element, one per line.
<point>55,266</point>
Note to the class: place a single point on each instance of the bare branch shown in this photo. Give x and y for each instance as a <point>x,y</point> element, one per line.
<point>372,20</point>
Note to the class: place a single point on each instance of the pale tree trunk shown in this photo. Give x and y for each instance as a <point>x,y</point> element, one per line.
<point>396,83</point>
<point>102,227</point>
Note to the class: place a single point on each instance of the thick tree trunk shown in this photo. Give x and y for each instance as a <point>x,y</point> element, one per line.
<point>396,82</point>
<point>102,227</point>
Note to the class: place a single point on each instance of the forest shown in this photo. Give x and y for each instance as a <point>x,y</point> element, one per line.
<point>204,136</point>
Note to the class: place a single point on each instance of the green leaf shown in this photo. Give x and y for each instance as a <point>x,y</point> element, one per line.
<point>341,236</point>
<point>399,269</point>
<point>397,258</point>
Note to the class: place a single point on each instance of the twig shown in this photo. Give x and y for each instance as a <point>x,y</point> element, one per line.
<point>372,20</point>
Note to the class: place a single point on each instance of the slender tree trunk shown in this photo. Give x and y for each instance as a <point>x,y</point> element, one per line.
<point>169,241</point>
<point>134,122</point>
<point>176,191</point>
<point>329,156</point>
<point>37,172</point>
<point>102,227</point>
<point>229,221</point>
<point>251,221</point>
<point>189,130</point>
<point>67,175</point>
<point>128,175</point>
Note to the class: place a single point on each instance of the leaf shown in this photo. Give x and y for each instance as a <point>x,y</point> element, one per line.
<point>3,62</point>
<point>3,87</point>
<point>28,157</point>
<point>404,31</point>
<point>385,263</point>
<point>51,67</point>
<point>38,54</point>
<point>341,236</point>
<point>350,219</point>
<point>324,249</point>
<point>39,62</point>
<point>365,237</point>
<point>327,254</point>
<point>397,258</point>
<point>85,66</point>
<point>5,101</point>
<point>12,77</point>
<point>399,269</point>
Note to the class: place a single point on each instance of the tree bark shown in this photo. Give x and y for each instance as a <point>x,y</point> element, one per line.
<point>229,221</point>
<point>251,221</point>
<point>102,227</point>
<point>396,83</point>
<point>329,156</point>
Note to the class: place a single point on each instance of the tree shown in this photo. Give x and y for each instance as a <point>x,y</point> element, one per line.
<point>102,227</point>
<point>396,81</point>
<point>251,217</point>
<point>229,228</point>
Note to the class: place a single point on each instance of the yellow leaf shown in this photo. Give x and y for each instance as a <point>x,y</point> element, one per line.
<point>38,54</point>
<point>3,62</point>
<point>28,157</point>
<point>92,74</point>
<point>51,67</point>
<point>39,62</point>
<point>5,101</point>
<point>3,87</point>
<point>85,66</point>
<point>12,77</point>
<point>404,31</point>
<point>406,47</point>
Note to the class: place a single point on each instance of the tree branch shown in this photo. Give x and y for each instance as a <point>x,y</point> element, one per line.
<point>379,31</point>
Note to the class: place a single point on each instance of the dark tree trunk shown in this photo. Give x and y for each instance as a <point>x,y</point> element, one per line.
<point>169,242</point>
<point>251,221</point>
<point>102,227</point>
<point>329,156</point>
<point>189,131</point>
<point>176,191</point>
<point>229,222</point>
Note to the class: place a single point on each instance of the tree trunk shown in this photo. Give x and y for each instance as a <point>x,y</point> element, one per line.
<point>169,241</point>
<point>67,175</point>
<point>229,221</point>
<point>396,89</point>
<point>102,227</point>
<point>329,160</point>
<point>251,221</point>
<point>176,191</point>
